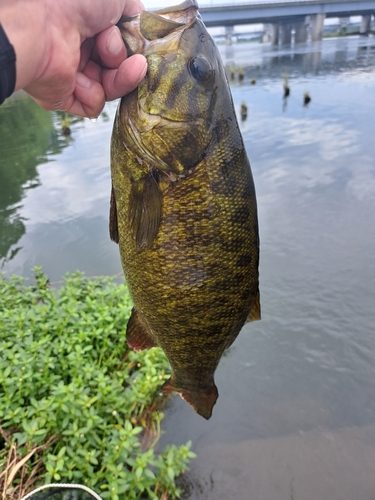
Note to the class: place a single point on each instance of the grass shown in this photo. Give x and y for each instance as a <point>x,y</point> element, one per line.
<point>75,404</point>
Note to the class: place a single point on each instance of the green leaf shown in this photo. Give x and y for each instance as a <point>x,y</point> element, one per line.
<point>75,386</point>
<point>170,473</point>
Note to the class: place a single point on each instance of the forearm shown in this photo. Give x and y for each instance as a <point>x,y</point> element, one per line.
<point>21,19</point>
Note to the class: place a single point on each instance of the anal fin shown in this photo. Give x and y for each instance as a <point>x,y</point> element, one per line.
<point>138,335</point>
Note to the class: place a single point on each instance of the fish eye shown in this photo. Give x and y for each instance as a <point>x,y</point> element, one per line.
<point>200,68</point>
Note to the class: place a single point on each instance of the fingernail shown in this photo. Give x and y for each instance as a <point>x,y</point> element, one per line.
<point>144,71</point>
<point>114,41</point>
<point>83,81</point>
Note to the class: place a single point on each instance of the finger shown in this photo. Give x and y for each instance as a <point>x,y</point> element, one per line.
<point>95,55</point>
<point>86,50</point>
<point>88,98</point>
<point>133,7</point>
<point>119,82</point>
<point>110,47</point>
<point>93,71</point>
<point>97,15</point>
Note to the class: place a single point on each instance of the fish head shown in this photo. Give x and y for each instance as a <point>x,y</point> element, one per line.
<point>169,118</point>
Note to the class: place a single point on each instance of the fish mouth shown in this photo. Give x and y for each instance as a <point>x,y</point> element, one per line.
<point>142,32</point>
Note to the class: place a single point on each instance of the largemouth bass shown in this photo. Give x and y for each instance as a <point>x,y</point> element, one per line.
<point>183,206</point>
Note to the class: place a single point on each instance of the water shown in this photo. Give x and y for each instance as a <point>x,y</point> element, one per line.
<point>295,418</point>
<point>60,208</point>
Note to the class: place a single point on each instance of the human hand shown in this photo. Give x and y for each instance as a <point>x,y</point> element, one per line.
<point>73,57</point>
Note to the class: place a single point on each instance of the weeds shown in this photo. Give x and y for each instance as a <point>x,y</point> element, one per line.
<point>75,404</point>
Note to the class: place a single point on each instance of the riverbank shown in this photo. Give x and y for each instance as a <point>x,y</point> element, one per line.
<point>75,404</point>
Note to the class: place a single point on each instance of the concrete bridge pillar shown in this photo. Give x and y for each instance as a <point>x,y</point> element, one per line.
<point>286,34</point>
<point>228,35</point>
<point>300,35</point>
<point>274,31</point>
<point>317,26</point>
<point>365,25</point>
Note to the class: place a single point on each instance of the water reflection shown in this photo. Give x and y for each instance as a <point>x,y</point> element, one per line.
<point>24,139</point>
<point>63,224</point>
<point>265,61</point>
<point>27,136</point>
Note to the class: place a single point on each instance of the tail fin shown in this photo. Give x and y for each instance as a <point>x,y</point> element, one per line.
<point>202,401</point>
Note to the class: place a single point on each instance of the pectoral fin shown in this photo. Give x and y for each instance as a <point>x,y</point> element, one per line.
<point>254,314</point>
<point>113,223</point>
<point>145,210</point>
<point>138,335</point>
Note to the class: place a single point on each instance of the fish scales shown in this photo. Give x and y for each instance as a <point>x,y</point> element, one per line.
<point>183,209</point>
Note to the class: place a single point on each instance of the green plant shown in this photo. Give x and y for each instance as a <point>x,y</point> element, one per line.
<point>73,398</point>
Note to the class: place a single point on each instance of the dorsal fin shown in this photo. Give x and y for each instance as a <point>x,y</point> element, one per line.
<point>254,314</point>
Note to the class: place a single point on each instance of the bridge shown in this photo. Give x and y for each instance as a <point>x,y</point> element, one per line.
<point>285,15</point>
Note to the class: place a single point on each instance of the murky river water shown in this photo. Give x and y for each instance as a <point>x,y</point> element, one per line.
<point>296,414</point>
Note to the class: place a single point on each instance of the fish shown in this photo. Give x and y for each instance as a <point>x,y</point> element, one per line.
<point>183,205</point>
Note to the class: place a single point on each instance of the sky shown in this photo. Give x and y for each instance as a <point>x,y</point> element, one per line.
<point>153,4</point>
